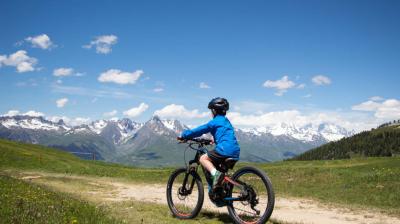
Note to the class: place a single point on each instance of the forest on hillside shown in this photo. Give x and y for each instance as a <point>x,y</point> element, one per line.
<point>383,141</point>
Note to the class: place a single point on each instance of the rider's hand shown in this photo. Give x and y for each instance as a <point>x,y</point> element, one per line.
<point>180,139</point>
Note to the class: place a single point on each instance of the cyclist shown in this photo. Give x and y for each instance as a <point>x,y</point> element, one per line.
<point>222,131</point>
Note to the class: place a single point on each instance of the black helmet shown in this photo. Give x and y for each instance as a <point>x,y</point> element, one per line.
<point>219,104</point>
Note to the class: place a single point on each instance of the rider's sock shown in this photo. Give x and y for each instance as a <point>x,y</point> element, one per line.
<point>213,172</point>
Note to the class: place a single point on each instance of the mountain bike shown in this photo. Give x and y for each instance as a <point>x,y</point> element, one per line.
<point>248,193</point>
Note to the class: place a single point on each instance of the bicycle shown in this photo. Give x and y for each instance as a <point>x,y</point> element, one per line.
<point>248,188</point>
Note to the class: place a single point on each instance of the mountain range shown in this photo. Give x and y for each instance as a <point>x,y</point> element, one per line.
<point>153,143</point>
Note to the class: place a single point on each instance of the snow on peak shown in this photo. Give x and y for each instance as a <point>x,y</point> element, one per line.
<point>333,132</point>
<point>98,126</point>
<point>306,133</point>
<point>127,129</point>
<point>33,123</point>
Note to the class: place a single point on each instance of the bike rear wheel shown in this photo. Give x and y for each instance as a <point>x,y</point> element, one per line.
<point>258,192</point>
<point>185,201</point>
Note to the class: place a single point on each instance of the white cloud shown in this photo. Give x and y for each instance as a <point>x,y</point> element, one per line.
<point>136,111</point>
<point>110,114</point>
<point>61,102</point>
<point>20,60</point>
<point>376,98</point>
<point>301,86</point>
<point>60,72</point>
<point>63,71</point>
<point>307,96</point>
<point>2,58</point>
<point>120,77</point>
<point>281,85</point>
<point>41,41</point>
<point>388,109</point>
<point>79,121</point>
<point>350,121</point>
<point>179,111</point>
<point>114,119</point>
<point>11,113</point>
<point>204,85</point>
<point>70,121</point>
<point>250,106</point>
<point>97,93</point>
<point>31,113</point>
<point>27,83</point>
<point>266,119</point>
<point>79,74</point>
<point>159,89</point>
<point>102,43</point>
<point>321,80</point>
<point>366,106</point>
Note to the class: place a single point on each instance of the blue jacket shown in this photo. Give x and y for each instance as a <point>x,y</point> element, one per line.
<point>223,133</point>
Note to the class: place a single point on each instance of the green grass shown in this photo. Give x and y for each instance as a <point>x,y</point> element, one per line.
<point>20,156</point>
<point>365,182</point>
<point>22,202</point>
<point>31,203</point>
<point>370,182</point>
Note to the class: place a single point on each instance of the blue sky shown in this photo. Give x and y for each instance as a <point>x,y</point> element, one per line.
<point>274,60</point>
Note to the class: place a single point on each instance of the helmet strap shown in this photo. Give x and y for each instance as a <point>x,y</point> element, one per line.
<point>214,112</point>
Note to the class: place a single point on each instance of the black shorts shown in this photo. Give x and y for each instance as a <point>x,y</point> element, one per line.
<point>215,157</point>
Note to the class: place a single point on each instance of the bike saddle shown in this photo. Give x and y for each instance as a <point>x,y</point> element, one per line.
<point>228,163</point>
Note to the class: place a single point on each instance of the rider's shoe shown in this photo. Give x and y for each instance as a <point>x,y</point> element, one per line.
<point>217,179</point>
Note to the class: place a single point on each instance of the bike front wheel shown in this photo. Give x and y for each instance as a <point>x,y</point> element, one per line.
<point>254,188</point>
<point>185,194</point>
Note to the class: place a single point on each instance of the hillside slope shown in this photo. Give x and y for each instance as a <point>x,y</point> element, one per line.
<point>384,141</point>
<point>22,156</point>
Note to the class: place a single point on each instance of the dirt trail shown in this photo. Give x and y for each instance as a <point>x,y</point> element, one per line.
<point>287,210</point>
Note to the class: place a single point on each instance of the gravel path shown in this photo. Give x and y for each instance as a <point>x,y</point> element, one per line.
<point>287,210</point>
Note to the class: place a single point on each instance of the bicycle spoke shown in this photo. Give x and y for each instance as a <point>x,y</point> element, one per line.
<point>245,211</point>
<point>256,197</point>
<point>183,200</point>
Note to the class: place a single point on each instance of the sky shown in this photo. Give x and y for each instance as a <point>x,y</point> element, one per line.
<point>298,62</point>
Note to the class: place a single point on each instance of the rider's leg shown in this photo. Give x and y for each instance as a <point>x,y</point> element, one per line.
<point>206,162</point>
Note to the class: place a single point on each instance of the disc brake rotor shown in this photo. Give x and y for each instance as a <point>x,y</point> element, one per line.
<point>181,193</point>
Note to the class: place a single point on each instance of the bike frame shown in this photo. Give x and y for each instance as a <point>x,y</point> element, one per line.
<point>193,167</point>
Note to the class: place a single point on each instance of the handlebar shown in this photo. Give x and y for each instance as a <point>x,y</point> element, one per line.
<point>200,141</point>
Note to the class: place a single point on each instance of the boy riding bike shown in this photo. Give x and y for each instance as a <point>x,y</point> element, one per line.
<point>226,145</point>
<point>247,193</point>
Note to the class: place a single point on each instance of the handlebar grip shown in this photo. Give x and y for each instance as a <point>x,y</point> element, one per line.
<point>180,139</point>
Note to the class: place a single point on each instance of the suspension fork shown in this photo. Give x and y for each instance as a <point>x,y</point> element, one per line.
<point>193,166</point>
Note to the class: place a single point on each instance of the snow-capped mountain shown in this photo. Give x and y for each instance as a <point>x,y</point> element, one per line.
<point>116,131</point>
<point>307,133</point>
<point>32,123</point>
<point>154,141</point>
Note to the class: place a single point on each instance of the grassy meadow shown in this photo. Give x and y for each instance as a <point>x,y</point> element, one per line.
<point>29,203</point>
<point>372,183</point>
